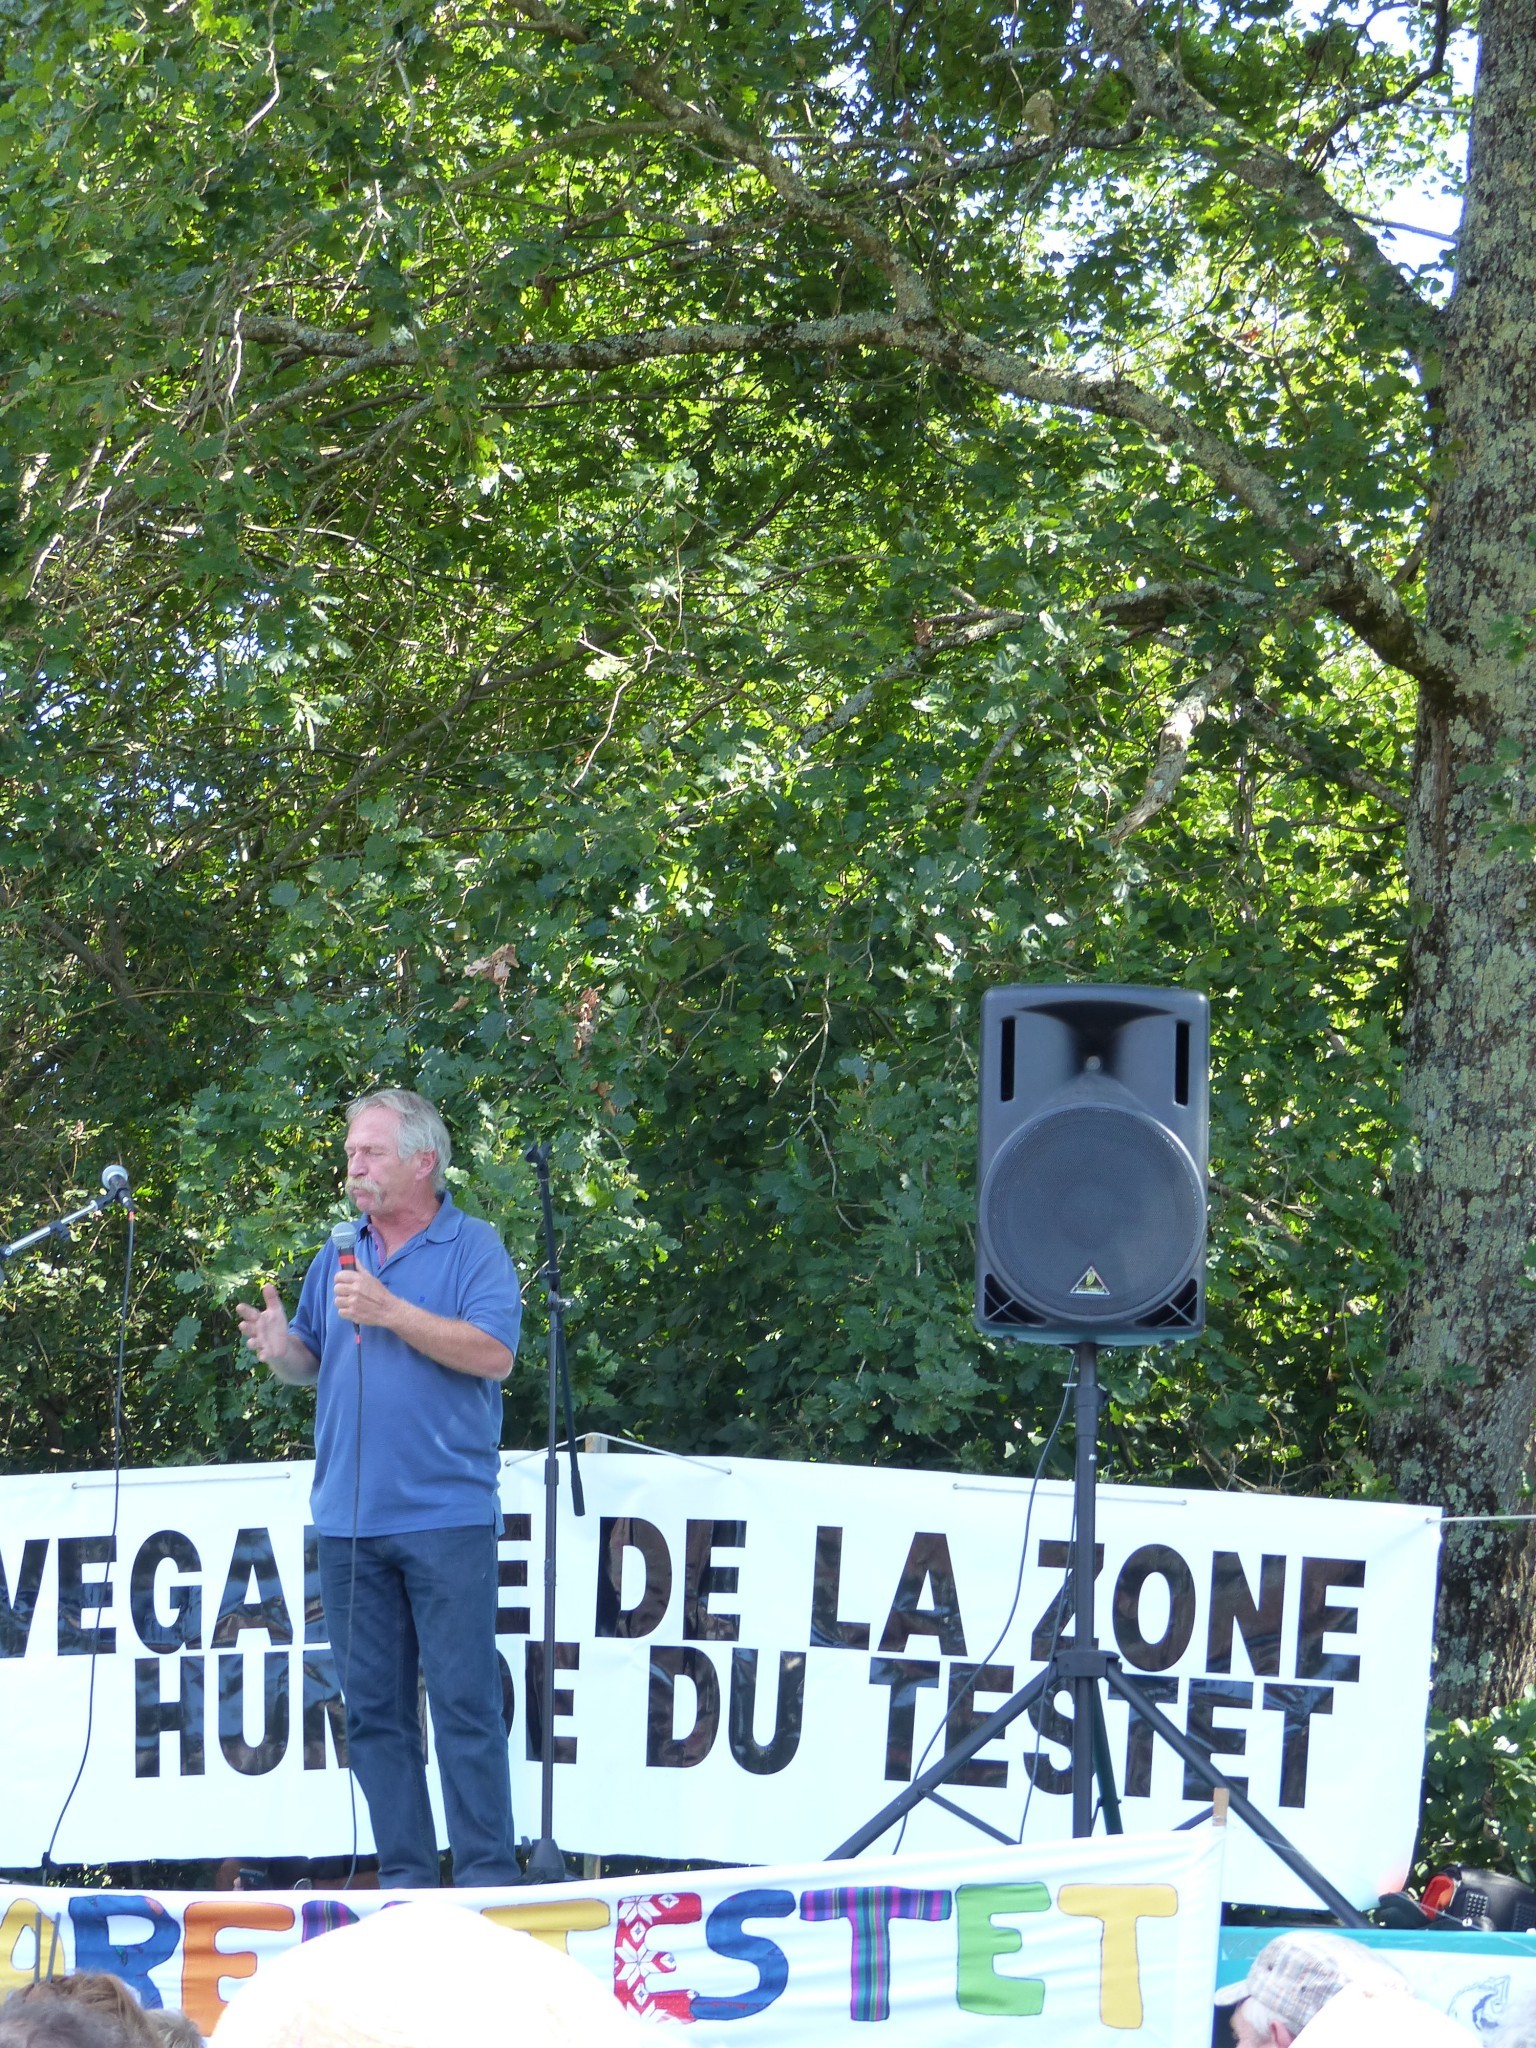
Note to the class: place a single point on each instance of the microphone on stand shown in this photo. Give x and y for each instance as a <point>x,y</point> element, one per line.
<point>115,1188</point>
<point>344,1237</point>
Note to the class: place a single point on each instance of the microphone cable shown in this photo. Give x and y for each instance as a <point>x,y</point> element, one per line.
<point>1018,1593</point>
<point>115,1188</point>
<point>344,1238</point>
<point>1058,1619</point>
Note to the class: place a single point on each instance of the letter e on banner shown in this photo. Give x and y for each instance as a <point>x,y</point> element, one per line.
<point>978,1987</point>
<point>1319,1618</point>
<point>636,1958</point>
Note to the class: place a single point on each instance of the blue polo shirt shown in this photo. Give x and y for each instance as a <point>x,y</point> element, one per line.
<point>429,1435</point>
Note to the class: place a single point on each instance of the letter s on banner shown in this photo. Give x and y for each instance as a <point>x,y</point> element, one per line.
<point>725,1934</point>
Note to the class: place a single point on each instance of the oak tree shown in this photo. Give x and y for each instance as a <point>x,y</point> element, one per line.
<point>625,560</point>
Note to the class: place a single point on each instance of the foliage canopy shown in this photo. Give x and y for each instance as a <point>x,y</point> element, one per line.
<point>621,566</point>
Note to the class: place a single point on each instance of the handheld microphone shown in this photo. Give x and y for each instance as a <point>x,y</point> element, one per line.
<point>344,1237</point>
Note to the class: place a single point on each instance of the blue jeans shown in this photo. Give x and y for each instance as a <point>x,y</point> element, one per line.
<point>424,1600</point>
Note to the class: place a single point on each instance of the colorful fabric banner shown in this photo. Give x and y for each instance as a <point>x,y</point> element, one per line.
<point>1100,1940</point>
<point>752,1659</point>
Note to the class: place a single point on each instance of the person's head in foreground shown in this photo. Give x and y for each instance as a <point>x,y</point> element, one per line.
<point>1292,1978</point>
<point>427,1975</point>
<point>175,2029</point>
<point>38,2017</point>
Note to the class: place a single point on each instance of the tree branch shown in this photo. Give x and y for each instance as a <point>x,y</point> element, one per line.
<point>1346,586</point>
<point>377,759</point>
<point>1013,155</point>
<point>908,289</point>
<point>1161,86</point>
<point>984,625</point>
<point>995,753</point>
<point>1154,604</point>
<point>1173,741</point>
<point>1266,725</point>
<point>1351,589</point>
<point>132,1002</point>
<point>1354,109</point>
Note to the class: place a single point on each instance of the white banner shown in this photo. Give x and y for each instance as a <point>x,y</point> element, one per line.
<point>1099,1938</point>
<point>752,1659</point>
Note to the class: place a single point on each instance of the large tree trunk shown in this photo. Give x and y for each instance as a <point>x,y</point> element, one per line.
<point>1464,1351</point>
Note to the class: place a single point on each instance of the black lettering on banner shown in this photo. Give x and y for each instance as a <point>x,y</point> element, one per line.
<point>1298,1703</point>
<point>1319,1575</point>
<point>16,1614</point>
<point>252,1558</point>
<point>77,1594</point>
<point>827,1631</point>
<point>512,1572</point>
<point>1259,1622</point>
<point>184,1630</point>
<point>322,1710</point>
<point>1056,1556</point>
<point>1160,1692</point>
<point>965,1682</point>
<point>928,1563</point>
<point>1052,1725</point>
<point>764,1758</point>
<point>616,1534</point>
<point>1206,1695</point>
<point>903,1675</point>
<point>702,1578</point>
<point>154,1715</point>
<point>1154,1561</point>
<point>664,1747</point>
<point>316,1627</point>
<point>567,1658</point>
<point>253,1759</point>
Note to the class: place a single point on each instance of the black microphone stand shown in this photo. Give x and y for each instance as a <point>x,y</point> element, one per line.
<point>546,1863</point>
<point>114,1188</point>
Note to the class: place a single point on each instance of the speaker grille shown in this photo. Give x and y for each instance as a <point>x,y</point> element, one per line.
<point>1093,1213</point>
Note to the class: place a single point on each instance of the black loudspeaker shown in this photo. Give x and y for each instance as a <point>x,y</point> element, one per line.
<point>1094,1145</point>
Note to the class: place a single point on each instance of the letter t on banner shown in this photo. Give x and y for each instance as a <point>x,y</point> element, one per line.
<point>1117,1908</point>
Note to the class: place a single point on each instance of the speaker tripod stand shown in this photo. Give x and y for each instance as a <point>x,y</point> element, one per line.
<point>1081,1668</point>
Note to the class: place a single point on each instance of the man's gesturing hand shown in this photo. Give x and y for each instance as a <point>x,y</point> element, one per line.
<point>265,1329</point>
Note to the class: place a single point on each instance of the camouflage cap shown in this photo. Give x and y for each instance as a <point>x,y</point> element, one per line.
<point>1296,1974</point>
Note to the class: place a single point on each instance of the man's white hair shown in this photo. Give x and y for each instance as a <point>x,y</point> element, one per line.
<point>420,1128</point>
<point>1259,2017</point>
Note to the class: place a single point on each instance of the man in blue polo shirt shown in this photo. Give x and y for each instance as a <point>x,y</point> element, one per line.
<point>407,1350</point>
